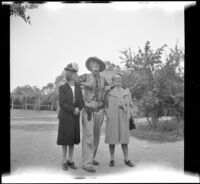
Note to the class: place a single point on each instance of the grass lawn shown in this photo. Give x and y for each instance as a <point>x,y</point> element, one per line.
<point>166,131</point>
<point>27,113</point>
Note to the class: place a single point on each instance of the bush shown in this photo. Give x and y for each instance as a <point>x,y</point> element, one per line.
<point>166,131</point>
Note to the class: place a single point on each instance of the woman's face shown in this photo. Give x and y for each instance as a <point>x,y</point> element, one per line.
<point>117,80</point>
<point>71,76</point>
<point>74,76</point>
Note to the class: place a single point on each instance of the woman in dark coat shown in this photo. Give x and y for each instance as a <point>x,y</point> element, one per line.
<point>70,102</point>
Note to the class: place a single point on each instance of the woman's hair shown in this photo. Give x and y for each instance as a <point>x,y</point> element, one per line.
<point>117,73</point>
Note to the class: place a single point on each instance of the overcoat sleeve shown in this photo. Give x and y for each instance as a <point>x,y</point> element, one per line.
<point>81,101</point>
<point>85,83</point>
<point>106,103</point>
<point>62,103</point>
<point>106,82</point>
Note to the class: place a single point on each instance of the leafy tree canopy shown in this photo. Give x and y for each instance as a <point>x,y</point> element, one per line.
<point>19,9</point>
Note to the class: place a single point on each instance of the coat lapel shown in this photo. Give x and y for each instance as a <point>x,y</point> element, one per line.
<point>75,93</point>
<point>114,93</point>
<point>69,92</point>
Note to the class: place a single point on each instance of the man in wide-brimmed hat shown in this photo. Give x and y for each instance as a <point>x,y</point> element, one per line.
<point>93,113</point>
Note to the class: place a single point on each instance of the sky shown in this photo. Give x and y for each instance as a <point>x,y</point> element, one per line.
<point>64,33</point>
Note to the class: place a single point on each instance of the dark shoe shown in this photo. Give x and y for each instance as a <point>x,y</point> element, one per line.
<point>112,163</point>
<point>65,166</point>
<point>89,169</point>
<point>95,162</point>
<point>71,164</point>
<point>128,163</point>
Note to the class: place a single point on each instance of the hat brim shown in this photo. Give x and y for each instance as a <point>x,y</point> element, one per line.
<point>101,63</point>
<point>68,69</point>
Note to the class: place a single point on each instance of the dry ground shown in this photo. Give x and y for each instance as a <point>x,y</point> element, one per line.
<point>33,145</point>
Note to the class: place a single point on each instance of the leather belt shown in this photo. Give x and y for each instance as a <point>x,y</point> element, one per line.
<point>90,110</point>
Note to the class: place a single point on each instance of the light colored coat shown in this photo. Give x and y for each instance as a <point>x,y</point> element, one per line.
<point>117,127</point>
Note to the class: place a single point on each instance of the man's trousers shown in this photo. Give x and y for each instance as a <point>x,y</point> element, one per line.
<point>91,136</point>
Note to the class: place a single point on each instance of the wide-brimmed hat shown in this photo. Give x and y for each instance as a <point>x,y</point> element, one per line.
<point>72,67</point>
<point>101,63</point>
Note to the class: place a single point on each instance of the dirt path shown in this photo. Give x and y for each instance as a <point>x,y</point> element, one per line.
<point>33,146</point>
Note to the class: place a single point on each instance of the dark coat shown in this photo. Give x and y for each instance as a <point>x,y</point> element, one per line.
<point>69,126</point>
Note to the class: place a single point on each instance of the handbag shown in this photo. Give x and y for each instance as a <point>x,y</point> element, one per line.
<point>132,124</point>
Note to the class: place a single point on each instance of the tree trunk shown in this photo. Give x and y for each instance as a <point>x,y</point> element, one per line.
<point>149,121</point>
<point>154,121</point>
<point>35,104</point>
<point>39,103</point>
<point>25,103</point>
<point>25,106</point>
<point>177,128</point>
<point>12,104</point>
<point>51,106</point>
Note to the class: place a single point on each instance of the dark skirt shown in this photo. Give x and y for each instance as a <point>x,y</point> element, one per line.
<point>68,132</point>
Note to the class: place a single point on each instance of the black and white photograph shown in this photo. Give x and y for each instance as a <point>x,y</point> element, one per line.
<point>97,92</point>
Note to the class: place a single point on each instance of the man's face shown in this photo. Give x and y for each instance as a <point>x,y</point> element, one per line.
<point>95,67</point>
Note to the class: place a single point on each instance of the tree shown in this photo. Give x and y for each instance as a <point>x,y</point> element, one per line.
<point>23,94</point>
<point>52,97</point>
<point>48,88</point>
<point>152,106</point>
<point>141,80</point>
<point>19,9</point>
<point>111,66</point>
<point>16,98</point>
<point>160,86</point>
<point>59,81</point>
<point>170,82</point>
<point>38,95</point>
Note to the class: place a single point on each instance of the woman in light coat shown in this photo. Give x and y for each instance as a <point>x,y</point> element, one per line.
<point>118,107</point>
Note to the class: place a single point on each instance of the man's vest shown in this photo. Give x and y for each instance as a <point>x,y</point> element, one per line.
<point>88,93</point>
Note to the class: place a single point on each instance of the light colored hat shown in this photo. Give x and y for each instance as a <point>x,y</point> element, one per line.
<point>101,63</point>
<point>72,67</point>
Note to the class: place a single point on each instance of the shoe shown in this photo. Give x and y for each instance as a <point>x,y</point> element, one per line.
<point>65,166</point>
<point>71,164</point>
<point>128,163</point>
<point>95,162</point>
<point>89,169</point>
<point>112,163</point>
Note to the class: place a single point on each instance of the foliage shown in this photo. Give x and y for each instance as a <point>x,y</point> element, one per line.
<point>111,66</point>
<point>157,87</point>
<point>146,60</point>
<point>166,131</point>
<point>170,83</point>
<point>23,95</point>
<point>19,9</point>
<point>60,79</point>
<point>142,67</point>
